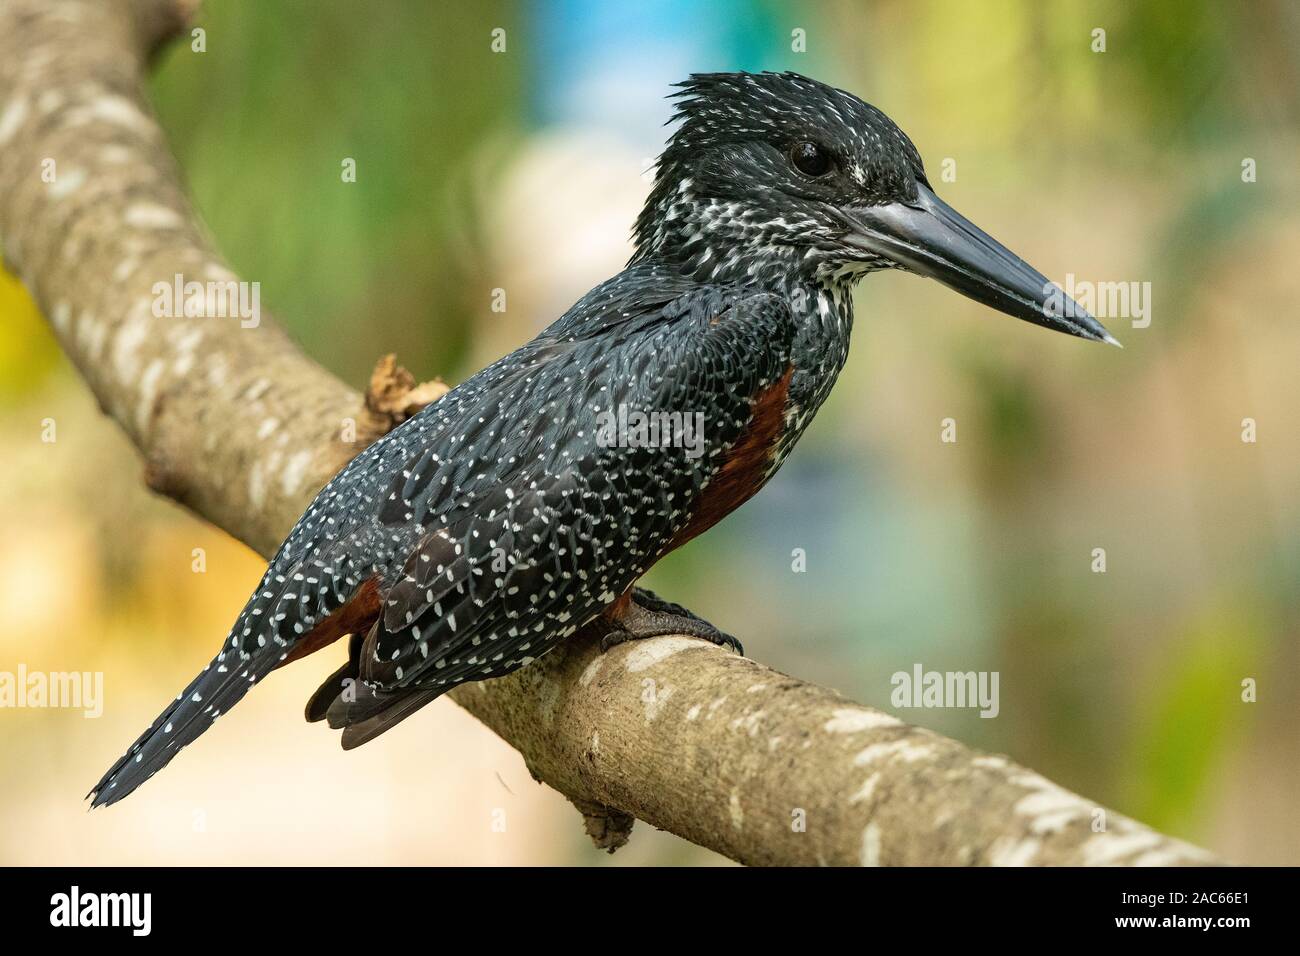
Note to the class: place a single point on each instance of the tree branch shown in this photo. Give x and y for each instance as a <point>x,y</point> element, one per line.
<point>239,426</point>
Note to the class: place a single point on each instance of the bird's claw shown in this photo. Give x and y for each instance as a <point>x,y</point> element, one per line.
<point>648,616</point>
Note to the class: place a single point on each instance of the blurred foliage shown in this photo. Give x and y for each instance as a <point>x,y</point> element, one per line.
<point>290,90</point>
<point>1188,726</point>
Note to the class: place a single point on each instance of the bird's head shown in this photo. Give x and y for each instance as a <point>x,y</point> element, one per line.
<point>774,175</point>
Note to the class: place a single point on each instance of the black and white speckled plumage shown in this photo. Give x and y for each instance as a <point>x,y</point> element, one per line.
<point>495,522</point>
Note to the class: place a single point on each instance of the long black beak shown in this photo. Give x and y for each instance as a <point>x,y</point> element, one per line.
<point>930,238</point>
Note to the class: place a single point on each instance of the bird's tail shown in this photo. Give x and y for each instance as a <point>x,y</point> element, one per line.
<point>216,689</point>
<point>361,712</point>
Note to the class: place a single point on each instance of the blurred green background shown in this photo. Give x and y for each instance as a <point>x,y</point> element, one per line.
<point>522,170</point>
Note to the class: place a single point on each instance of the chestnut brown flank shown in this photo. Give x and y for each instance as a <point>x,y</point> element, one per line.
<point>741,475</point>
<point>355,617</point>
<point>620,605</point>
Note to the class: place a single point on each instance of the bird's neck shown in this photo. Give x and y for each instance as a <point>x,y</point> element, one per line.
<point>711,244</point>
<point>716,241</point>
<point>820,297</point>
<point>824,319</point>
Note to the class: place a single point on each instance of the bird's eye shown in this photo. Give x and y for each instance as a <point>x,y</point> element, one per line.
<point>811,160</point>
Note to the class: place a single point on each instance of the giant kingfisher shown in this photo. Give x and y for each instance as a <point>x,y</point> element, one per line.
<point>501,519</point>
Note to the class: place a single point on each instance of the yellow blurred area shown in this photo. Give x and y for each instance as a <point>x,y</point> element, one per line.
<point>27,352</point>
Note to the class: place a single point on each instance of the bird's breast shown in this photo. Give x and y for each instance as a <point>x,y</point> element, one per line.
<point>746,466</point>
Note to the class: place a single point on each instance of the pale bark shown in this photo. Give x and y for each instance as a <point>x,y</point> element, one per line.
<point>239,426</point>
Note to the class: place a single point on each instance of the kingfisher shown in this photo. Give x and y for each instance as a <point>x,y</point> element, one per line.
<point>509,514</point>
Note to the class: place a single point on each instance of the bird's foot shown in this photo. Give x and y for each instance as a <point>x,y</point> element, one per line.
<point>649,615</point>
<point>653,602</point>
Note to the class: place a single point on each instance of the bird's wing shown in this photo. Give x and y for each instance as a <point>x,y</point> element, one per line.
<point>514,563</point>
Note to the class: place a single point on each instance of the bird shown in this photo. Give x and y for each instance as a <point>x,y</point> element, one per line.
<point>511,513</point>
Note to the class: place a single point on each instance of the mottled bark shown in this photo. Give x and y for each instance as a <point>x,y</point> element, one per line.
<point>238,425</point>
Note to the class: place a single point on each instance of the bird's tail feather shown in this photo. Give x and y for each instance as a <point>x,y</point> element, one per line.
<point>362,712</point>
<point>372,712</point>
<point>214,691</point>
<point>334,686</point>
